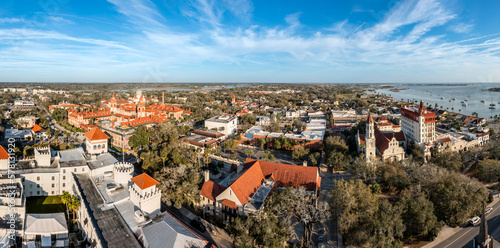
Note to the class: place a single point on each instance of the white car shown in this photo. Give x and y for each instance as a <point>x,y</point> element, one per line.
<point>474,220</point>
<point>488,210</point>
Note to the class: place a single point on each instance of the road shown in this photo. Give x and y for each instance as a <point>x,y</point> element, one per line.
<point>464,237</point>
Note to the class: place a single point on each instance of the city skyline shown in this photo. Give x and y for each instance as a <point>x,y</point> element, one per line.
<point>249,41</point>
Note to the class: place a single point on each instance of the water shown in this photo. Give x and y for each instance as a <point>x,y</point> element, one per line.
<point>431,95</point>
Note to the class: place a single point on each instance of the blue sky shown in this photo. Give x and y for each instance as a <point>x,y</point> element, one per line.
<point>249,41</point>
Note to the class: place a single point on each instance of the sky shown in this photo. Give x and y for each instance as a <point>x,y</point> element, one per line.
<point>330,41</point>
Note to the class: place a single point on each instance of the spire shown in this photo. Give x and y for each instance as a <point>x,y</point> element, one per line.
<point>113,97</point>
<point>370,119</point>
<point>483,229</point>
<point>421,109</point>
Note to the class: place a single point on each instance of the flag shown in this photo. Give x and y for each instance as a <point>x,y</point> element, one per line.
<point>124,140</point>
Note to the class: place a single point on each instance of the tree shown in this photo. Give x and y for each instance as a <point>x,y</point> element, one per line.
<point>259,230</point>
<point>449,160</point>
<point>418,214</point>
<point>74,205</point>
<point>299,152</point>
<point>314,158</point>
<point>249,152</point>
<point>365,220</point>
<point>66,199</point>
<point>230,144</point>
<point>140,137</point>
<point>489,171</point>
<point>271,157</point>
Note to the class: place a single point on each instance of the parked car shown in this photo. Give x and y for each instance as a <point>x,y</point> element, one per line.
<point>198,225</point>
<point>474,220</point>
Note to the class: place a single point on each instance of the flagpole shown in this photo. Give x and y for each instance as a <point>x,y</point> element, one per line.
<point>123,147</point>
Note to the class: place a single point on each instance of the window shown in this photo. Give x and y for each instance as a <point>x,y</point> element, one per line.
<point>53,178</point>
<point>53,192</point>
<point>83,169</point>
<point>38,192</point>
<point>22,179</point>
<point>53,185</point>
<point>38,178</point>
<point>64,184</point>
<point>64,177</point>
<point>38,185</point>
<point>75,169</point>
<point>64,170</point>
<point>31,186</point>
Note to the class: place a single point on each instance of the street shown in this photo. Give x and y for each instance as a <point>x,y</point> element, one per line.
<point>464,237</point>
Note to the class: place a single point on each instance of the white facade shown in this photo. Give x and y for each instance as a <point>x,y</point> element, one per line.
<point>224,124</point>
<point>147,200</point>
<point>14,133</point>
<point>418,124</point>
<point>96,146</point>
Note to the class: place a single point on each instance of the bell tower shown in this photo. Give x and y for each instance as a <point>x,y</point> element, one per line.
<point>370,150</point>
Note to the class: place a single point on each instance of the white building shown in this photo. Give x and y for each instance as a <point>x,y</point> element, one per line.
<point>50,229</point>
<point>96,142</point>
<point>14,133</point>
<point>145,195</point>
<point>224,124</point>
<point>418,124</point>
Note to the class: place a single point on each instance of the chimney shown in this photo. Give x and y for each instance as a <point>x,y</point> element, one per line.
<point>304,163</point>
<point>206,175</point>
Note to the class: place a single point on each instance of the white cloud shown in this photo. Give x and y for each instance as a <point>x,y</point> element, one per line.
<point>11,20</point>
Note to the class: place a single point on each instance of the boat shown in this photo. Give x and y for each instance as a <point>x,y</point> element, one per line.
<point>483,101</point>
<point>464,101</point>
<point>465,104</point>
<point>442,98</point>
<point>453,99</point>
<point>493,106</point>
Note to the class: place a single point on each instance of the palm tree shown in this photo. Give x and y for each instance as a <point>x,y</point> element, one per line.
<point>74,204</point>
<point>66,199</point>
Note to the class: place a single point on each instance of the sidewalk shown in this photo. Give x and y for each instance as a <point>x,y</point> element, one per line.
<point>448,231</point>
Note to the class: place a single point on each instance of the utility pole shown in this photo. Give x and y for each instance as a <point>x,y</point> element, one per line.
<point>123,147</point>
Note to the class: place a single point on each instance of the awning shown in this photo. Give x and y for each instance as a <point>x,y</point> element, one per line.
<point>46,241</point>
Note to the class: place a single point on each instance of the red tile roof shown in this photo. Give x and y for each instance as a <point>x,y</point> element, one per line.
<point>247,183</point>
<point>288,175</point>
<point>211,190</point>
<point>229,203</point>
<point>3,153</point>
<point>144,181</point>
<point>96,134</point>
<point>36,128</point>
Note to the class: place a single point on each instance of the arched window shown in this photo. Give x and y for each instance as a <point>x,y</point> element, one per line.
<point>95,147</point>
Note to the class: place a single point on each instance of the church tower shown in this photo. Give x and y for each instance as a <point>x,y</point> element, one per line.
<point>141,108</point>
<point>113,103</point>
<point>370,150</point>
<point>233,99</point>
<point>483,240</point>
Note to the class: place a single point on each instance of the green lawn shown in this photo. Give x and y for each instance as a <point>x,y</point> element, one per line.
<point>44,205</point>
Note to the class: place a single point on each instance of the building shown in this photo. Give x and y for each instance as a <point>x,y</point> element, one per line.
<point>50,230</point>
<point>26,121</point>
<point>376,144</point>
<point>23,103</point>
<point>224,124</point>
<point>145,195</point>
<point>39,132</point>
<point>245,191</point>
<point>11,197</point>
<point>96,141</point>
<point>418,124</point>
<point>165,231</point>
<point>203,138</point>
<point>18,134</point>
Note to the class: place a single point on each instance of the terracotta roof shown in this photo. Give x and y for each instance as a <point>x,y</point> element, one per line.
<point>3,153</point>
<point>144,181</point>
<point>36,128</point>
<point>96,134</point>
<point>445,140</point>
<point>229,203</point>
<point>211,190</point>
<point>247,183</point>
<point>362,138</point>
<point>289,175</point>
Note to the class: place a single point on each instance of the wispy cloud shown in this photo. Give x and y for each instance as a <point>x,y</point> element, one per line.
<point>401,40</point>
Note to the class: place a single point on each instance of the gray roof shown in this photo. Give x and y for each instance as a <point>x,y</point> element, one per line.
<point>103,159</point>
<point>168,232</point>
<point>110,227</point>
<point>48,224</point>
<point>73,157</point>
